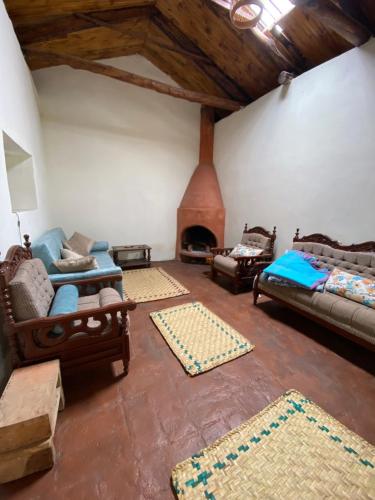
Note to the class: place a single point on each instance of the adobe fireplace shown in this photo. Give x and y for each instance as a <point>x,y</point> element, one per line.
<point>201,214</point>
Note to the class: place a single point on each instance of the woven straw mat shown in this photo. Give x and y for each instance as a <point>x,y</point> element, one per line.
<point>199,338</point>
<point>146,285</point>
<point>290,450</point>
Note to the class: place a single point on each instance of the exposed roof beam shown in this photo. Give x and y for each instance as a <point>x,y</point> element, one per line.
<point>335,19</point>
<point>205,64</point>
<point>175,41</point>
<point>253,69</point>
<point>32,11</point>
<point>354,9</point>
<point>98,22</point>
<point>133,79</point>
<point>62,26</point>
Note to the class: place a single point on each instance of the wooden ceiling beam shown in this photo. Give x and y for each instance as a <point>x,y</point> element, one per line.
<point>179,50</point>
<point>368,8</point>
<point>133,79</point>
<point>355,9</point>
<point>254,70</point>
<point>174,41</point>
<point>98,22</point>
<point>181,69</point>
<point>316,42</point>
<point>62,26</point>
<point>36,62</point>
<point>94,43</point>
<point>204,63</point>
<point>23,12</point>
<point>335,19</point>
<point>186,72</point>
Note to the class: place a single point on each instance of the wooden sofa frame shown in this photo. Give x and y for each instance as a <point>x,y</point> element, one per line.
<point>367,246</point>
<point>30,342</point>
<point>247,267</point>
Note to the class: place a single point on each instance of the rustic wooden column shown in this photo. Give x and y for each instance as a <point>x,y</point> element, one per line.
<point>335,19</point>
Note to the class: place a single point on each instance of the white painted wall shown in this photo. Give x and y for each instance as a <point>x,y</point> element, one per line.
<point>19,118</point>
<point>119,157</point>
<point>305,157</point>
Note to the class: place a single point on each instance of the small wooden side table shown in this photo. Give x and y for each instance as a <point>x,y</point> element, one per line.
<point>144,260</point>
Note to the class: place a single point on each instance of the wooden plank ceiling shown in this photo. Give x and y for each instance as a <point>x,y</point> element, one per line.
<point>193,41</point>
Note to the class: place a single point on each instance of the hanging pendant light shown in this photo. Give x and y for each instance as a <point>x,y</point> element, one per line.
<point>241,21</point>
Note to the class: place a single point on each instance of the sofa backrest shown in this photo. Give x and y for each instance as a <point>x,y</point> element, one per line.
<point>48,247</point>
<point>361,263</point>
<point>31,291</point>
<point>256,240</point>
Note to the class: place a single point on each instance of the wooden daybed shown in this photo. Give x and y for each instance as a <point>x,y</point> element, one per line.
<point>343,316</point>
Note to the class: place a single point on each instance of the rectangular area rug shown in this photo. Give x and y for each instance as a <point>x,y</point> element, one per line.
<point>199,338</point>
<point>146,285</point>
<point>292,449</point>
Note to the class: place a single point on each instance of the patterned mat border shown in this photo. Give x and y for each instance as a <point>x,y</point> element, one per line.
<point>180,289</point>
<point>203,476</point>
<point>228,355</point>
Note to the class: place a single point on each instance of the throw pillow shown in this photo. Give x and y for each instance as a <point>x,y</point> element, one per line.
<point>66,245</point>
<point>69,254</point>
<point>352,287</point>
<point>75,265</point>
<point>79,243</point>
<point>241,250</point>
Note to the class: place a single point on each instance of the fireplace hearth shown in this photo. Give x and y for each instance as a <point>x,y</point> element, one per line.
<point>196,244</point>
<point>201,214</point>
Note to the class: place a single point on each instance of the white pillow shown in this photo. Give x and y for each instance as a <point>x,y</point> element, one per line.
<point>69,254</point>
<point>241,250</point>
<point>86,263</point>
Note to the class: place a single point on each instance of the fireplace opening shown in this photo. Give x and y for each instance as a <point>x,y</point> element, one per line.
<point>196,243</point>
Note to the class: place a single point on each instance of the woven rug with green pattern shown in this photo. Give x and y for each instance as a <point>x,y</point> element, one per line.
<point>146,285</point>
<point>199,338</point>
<point>290,450</point>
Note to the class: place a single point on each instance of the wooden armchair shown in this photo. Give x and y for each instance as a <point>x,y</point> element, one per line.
<point>97,332</point>
<point>242,270</point>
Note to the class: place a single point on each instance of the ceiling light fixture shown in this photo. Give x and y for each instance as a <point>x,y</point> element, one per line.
<point>242,21</point>
<point>260,15</point>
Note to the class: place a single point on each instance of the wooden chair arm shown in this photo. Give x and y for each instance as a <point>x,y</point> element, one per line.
<point>254,258</point>
<point>50,321</point>
<point>108,278</point>
<point>221,251</point>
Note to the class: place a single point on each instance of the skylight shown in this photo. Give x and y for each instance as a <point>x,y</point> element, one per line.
<point>273,11</point>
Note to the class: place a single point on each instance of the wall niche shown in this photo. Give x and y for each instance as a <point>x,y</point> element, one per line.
<point>20,174</point>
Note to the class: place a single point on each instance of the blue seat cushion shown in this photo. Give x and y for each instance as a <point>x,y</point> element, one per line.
<point>64,302</point>
<point>94,273</point>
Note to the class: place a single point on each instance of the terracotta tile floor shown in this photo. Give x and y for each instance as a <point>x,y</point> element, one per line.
<point>120,438</point>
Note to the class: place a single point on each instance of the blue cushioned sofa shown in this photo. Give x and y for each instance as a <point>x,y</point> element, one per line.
<point>48,249</point>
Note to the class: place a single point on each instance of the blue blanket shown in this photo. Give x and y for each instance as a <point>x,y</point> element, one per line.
<point>297,268</point>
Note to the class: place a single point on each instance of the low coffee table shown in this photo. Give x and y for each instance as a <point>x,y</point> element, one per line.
<point>144,260</point>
